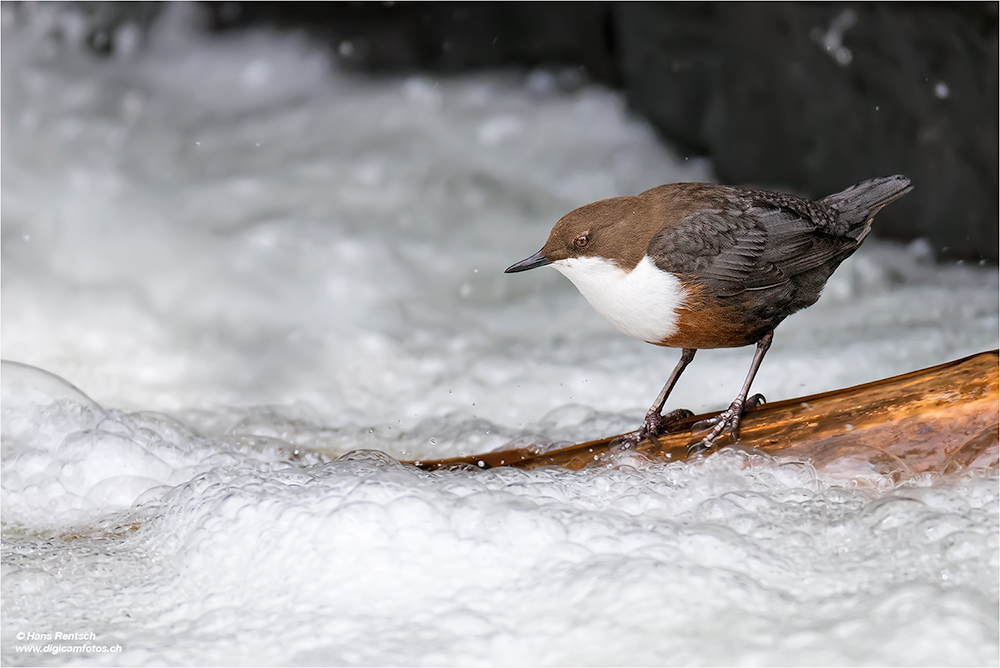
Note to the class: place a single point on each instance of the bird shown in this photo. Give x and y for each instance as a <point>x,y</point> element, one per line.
<point>702,265</point>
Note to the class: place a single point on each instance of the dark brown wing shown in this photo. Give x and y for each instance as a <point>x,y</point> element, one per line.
<point>753,245</point>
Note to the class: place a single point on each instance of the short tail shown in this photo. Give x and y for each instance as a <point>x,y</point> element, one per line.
<point>856,206</point>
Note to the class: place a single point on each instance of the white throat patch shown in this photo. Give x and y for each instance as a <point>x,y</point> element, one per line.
<point>642,303</point>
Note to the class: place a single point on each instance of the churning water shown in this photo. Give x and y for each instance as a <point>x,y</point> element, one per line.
<point>250,264</point>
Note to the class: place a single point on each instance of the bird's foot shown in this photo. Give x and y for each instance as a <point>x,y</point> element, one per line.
<point>653,425</point>
<point>727,420</point>
<point>754,401</point>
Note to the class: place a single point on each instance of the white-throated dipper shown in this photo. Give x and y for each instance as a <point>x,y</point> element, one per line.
<point>698,265</point>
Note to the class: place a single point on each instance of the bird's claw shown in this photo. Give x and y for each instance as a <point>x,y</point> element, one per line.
<point>754,402</point>
<point>653,425</point>
<point>656,424</point>
<point>727,420</point>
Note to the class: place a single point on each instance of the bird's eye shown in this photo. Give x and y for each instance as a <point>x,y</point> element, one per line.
<point>581,241</point>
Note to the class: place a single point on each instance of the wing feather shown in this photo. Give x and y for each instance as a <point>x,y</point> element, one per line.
<point>750,245</point>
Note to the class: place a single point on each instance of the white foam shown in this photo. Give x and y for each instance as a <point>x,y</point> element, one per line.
<point>250,264</point>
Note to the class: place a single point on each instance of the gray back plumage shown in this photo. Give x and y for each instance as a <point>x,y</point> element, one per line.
<point>756,241</point>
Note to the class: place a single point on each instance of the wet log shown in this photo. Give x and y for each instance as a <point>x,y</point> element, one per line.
<point>939,419</point>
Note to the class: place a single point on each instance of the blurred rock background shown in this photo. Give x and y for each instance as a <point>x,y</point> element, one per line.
<point>809,97</point>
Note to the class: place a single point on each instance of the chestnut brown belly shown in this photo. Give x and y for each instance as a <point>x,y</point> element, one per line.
<point>707,321</point>
<point>715,328</point>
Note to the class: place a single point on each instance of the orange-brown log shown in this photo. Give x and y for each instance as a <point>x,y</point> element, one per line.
<point>940,419</point>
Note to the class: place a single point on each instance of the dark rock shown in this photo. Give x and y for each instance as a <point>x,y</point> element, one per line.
<point>444,36</point>
<point>816,97</point>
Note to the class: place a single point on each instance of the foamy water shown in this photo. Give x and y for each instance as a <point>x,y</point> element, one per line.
<point>226,264</point>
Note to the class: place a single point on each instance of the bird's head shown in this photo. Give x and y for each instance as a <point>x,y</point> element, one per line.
<point>611,229</point>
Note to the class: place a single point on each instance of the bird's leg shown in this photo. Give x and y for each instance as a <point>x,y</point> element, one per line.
<point>729,420</point>
<point>655,422</point>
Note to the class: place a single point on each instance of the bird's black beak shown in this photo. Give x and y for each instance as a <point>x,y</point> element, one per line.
<point>536,260</point>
